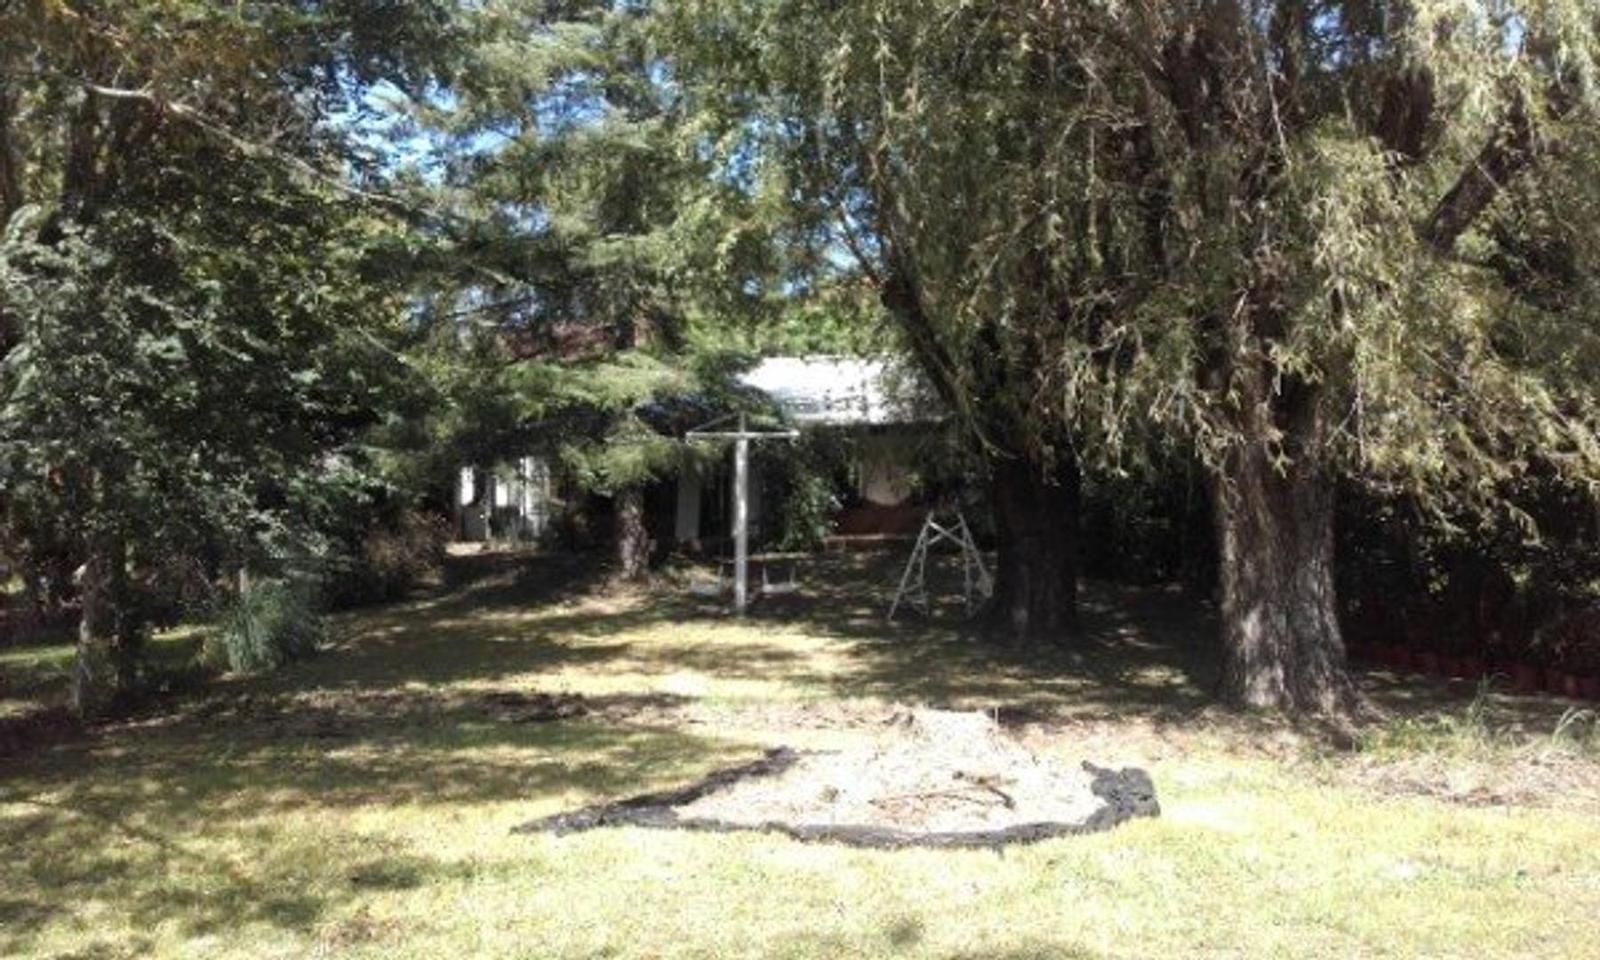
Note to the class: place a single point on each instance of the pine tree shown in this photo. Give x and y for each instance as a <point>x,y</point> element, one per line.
<point>589,239</point>
<point>187,328</point>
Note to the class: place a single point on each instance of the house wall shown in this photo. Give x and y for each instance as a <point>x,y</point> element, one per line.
<point>512,503</point>
<point>883,473</point>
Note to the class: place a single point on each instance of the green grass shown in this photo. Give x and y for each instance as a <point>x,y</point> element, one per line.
<point>360,804</point>
<point>39,672</point>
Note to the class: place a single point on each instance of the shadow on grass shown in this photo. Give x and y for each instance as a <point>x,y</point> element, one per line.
<point>1137,651</point>
<point>1145,653</point>
<point>153,820</point>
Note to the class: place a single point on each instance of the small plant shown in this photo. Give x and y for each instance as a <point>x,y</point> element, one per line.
<point>1578,728</point>
<point>269,624</point>
<point>805,518</point>
<point>1468,732</point>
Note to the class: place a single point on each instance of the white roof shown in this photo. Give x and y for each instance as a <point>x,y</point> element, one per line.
<point>841,391</point>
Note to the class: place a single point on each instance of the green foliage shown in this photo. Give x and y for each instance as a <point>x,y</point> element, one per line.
<point>804,479</point>
<point>804,517</point>
<point>1484,586</point>
<point>1149,524</point>
<point>1139,211</point>
<point>391,558</point>
<point>192,329</point>
<point>841,319</point>
<point>271,623</point>
<point>584,297</point>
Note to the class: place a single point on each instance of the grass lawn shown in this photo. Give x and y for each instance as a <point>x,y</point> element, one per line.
<point>361,804</point>
<point>39,672</point>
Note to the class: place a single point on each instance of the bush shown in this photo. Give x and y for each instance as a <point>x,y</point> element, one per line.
<point>268,625</point>
<point>803,481</point>
<point>392,559</point>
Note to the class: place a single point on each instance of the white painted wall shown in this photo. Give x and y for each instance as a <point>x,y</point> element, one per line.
<point>513,502</point>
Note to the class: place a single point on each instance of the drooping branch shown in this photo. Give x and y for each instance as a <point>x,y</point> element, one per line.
<point>1511,150</point>
<point>10,167</point>
<point>903,300</point>
<point>10,195</point>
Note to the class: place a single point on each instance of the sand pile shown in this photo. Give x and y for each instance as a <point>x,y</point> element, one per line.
<point>931,770</point>
<point>927,777</point>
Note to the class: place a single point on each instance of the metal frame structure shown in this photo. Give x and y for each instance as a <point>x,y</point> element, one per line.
<point>741,437</point>
<point>913,589</point>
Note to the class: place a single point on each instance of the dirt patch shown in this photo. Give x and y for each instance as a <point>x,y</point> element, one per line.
<point>533,707</point>
<point>929,778</point>
<point>333,714</point>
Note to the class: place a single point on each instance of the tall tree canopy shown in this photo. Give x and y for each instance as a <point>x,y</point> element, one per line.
<point>188,327</point>
<point>1314,239</point>
<point>911,142</point>
<point>591,247</point>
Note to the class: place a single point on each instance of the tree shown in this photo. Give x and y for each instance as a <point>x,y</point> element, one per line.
<point>588,240</point>
<point>187,329</point>
<point>1345,172</point>
<point>1278,230</point>
<point>892,156</point>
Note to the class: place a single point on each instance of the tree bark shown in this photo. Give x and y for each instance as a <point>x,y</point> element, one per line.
<point>1282,647</point>
<point>94,682</point>
<point>110,635</point>
<point>1036,518</point>
<point>633,538</point>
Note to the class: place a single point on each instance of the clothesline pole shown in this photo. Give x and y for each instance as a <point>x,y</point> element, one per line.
<point>741,495</point>
<point>741,520</point>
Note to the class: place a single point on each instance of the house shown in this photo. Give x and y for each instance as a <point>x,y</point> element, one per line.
<point>879,405</point>
<point>513,503</point>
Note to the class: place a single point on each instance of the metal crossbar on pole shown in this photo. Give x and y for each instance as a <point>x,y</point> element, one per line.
<point>741,494</point>
<point>975,578</point>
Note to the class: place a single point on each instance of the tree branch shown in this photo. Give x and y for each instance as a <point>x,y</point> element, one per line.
<point>252,148</point>
<point>1512,149</point>
<point>1503,157</point>
<point>10,173</point>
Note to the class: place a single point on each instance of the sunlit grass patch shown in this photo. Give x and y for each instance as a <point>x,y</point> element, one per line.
<point>38,674</point>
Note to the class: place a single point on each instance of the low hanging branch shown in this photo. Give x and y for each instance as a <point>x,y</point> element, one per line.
<point>1511,151</point>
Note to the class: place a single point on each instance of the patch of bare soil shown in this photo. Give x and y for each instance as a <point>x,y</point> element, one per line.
<point>339,714</point>
<point>336,713</point>
<point>928,777</point>
<point>930,770</point>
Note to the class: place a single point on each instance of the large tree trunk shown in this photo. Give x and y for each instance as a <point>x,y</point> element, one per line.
<point>633,538</point>
<point>1282,649</point>
<point>1036,519</point>
<point>110,635</point>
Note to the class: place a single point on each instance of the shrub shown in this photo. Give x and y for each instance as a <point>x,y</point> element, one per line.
<point>804,481</point>
<point>268,625</point>
<point>393,558</point>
